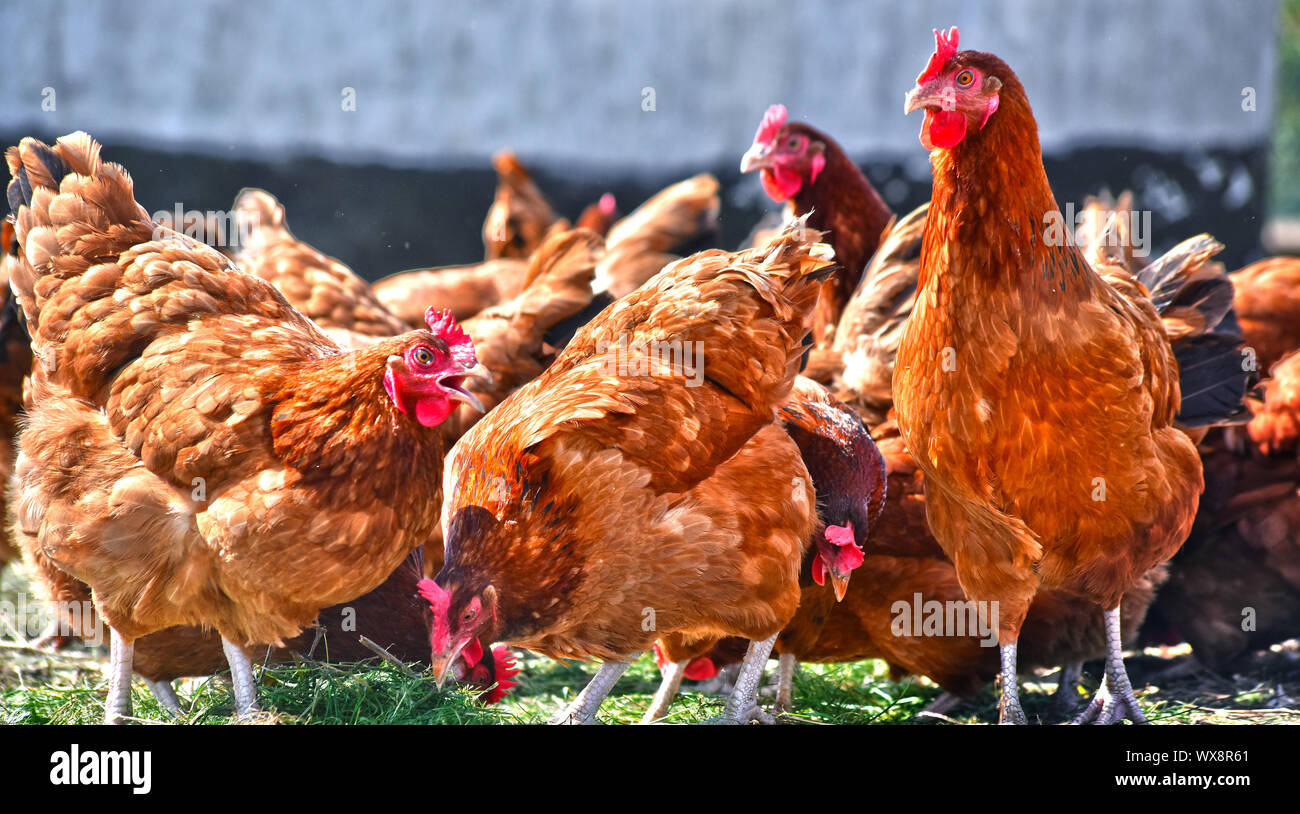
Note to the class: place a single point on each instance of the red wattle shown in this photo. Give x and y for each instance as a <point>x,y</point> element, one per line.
<point>701,668</point>
<point>819,569</point>
<point>472,652</point>
<point>432,411</point>
<point>780,184</point>
<point>942,129</point>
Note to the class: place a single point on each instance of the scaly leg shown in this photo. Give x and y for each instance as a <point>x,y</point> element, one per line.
<point>1009,711</point>
<point>241,680</point>
<point>121,651</point>
<point>668,687</point>
<point>583,709</point>
<point>166,696</point>
<point>742,707</point>
<point>785,683</point>
<point>1115,700</point>
<point>1066,698</point>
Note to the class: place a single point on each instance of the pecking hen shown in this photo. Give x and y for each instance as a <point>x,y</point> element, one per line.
<point>640,487</point>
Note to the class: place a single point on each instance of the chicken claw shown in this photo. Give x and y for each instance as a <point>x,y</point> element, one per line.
<point>1115,700</point>
<point>742,707</point>
<point>583,709</point>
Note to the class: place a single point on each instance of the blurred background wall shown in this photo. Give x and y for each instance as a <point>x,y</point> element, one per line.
<point>374,122</point>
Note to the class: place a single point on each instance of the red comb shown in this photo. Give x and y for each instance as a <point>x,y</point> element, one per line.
<point>847,558</point>
<point>660,658</point>
<point>505,670</point>
<point>439,600</point>
<point>773,121</point>
<point>840,535</point>
<point>607,204</point>
<point>434,593</point>
<point>945,47</point>
<point>444,325</point>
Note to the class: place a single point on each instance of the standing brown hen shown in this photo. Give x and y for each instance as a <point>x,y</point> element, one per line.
<point>1037,396</point>
<point>198,452</point>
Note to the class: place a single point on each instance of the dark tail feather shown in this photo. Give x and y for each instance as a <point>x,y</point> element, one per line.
<point>20,188</point>
<point>1214,375</point>
<point>1194,297</point>
<point>1183,280</point>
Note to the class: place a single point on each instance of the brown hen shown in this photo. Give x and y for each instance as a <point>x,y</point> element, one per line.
<point>1037,396</point>
<point>197,451</point>
<point>627,494</point>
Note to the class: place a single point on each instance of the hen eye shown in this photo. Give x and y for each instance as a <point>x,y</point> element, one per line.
<point>793,143</point>
<point>468,616</point>
<point>965,78</point>
<point>424,356</point>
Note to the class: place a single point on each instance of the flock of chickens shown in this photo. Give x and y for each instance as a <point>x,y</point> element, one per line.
<point>228,451</point>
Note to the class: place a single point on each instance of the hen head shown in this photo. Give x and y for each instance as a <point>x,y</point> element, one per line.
<point>838,553</point>
<point>494,675</point>
<point>427,379</point>
<point>958,90</point>
<point>460,619</point>
<point>788,155</point>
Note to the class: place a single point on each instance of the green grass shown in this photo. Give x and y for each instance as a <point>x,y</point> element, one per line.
<point>69,688</point>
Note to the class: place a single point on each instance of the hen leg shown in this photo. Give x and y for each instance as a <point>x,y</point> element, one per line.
<point>1009,711</point>
<point>1115,700</point>
<point>241,679</point>
<point>1066,698</point>
<point>583,709</point>
<point>166,697</point>
<point>785,683</point>
<point>742,707</point>
<point>121,652</point>
<point>668,687</point>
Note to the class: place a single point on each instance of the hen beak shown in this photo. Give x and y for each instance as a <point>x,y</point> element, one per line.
<point>915,99</point>
<point>442,666</point>
<point>457,391</point>
<point>755,158</point>
<point>840,582</point>
<point>479,372</point>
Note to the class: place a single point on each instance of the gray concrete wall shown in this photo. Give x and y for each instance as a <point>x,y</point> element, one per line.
<point>450,82</point>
